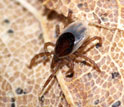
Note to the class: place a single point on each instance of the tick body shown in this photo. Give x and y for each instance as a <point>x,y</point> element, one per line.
<point>70,46</point>
<point>69,41</point>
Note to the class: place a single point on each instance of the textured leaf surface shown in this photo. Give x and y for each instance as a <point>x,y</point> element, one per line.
<point>20,40</point>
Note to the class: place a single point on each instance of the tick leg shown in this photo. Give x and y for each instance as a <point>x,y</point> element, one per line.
<point>45,2</point>
<point>91,47</point>
<point>92,39</point>
<point>88,42</point>
<point>59,65</point>
<point>91,61</point>
<point>69,18</point>
<point>34,59</point>
<point>48,44</point>
<point>46,84</point>
<point>57,30</point>
<point>70,65</point>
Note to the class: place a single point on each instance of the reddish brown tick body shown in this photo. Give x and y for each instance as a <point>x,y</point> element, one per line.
<point>69,47</point>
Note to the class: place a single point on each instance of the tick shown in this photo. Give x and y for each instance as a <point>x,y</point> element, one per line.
<point>70,47</point>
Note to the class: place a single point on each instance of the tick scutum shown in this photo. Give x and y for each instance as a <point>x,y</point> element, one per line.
<point>64,44</point>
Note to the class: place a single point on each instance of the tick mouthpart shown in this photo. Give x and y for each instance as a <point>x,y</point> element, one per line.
<point>54,61</point>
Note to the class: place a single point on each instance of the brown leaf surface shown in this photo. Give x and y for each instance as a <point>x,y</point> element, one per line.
<point>87,88</point>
